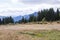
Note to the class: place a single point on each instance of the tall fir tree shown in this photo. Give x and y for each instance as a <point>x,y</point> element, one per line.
<point>0,22</point>
<point>57,15</point>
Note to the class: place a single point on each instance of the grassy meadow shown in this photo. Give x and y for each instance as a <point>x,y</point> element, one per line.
<point>30,35</point>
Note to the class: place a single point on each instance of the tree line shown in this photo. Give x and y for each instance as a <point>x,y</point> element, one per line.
<point>6,20</point>
<point>46,14</point>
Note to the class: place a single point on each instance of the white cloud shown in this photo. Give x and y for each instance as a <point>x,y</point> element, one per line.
<point>19,7</point>
<point>58,0</point>
<point>14,1</point>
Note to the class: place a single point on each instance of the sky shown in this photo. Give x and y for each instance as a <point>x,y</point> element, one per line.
<point>25,7</point>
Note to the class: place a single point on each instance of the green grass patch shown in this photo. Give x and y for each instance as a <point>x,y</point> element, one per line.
<point>45,35</point>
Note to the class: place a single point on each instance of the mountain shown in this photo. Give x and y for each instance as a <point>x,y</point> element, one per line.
<point>35,13</point>
<point>25,16</point>
<point>17,18</point>
<point>20,18</point>
<point>2,17</point>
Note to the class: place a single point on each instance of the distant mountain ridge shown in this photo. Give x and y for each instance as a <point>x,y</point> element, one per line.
<point>17,18</point>
<point>25,16</point>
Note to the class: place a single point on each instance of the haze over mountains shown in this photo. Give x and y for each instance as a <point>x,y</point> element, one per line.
<point>17,18</point>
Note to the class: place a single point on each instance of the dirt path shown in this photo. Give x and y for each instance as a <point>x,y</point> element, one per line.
<point>31,27</point>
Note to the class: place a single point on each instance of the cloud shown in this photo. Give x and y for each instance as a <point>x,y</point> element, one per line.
<point>14,1</point>
<point>24,7</point>
<point>40,1</point>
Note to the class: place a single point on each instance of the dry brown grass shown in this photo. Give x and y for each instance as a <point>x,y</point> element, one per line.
<point>15,35</point>
<point>29,35</point>
<point>17,32</point>
<point>48,26</point>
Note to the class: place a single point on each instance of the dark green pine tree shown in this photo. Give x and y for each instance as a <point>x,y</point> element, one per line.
<point>22,20</point>
<point>25,20</point>
<point>7,20</point>
<point>40,16</point>
<point>31,19</point>
<point>57,15</point>
<point>3,21</point>
<point>11,20</point>
<point>34,18</point>
<point>50,16</point>
<point>0,22</point>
